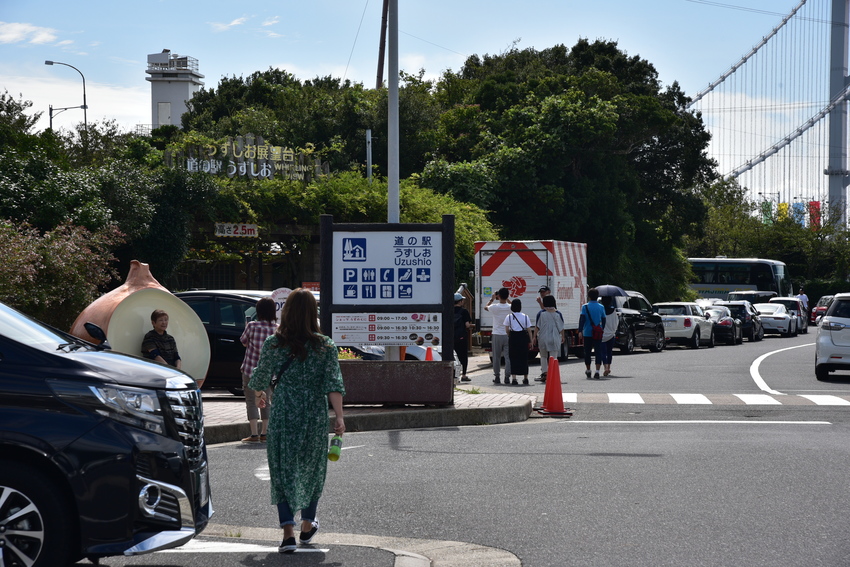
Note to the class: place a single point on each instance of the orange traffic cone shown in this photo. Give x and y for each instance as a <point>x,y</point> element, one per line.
<point>428,354</point>
<point>553,397</point>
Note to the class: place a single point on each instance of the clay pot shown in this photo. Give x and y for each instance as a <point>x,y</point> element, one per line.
<point>100,310</point>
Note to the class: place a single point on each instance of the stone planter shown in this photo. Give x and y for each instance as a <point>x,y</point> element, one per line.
<point>370,382</point>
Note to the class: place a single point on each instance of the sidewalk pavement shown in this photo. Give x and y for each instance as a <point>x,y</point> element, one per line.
<point>225,420</point>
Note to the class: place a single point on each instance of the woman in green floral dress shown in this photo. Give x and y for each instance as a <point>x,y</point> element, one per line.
<point>298,425</point>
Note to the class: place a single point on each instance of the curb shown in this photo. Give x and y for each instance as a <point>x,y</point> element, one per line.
<point>409,552</point>
<point>412,418</point>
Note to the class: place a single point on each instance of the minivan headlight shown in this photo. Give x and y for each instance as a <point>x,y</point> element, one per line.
<point>134,406</point>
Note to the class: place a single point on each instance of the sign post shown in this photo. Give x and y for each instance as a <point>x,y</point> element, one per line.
<point>388,284</point>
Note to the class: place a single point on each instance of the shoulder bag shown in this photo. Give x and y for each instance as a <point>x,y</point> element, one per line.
<point>597,330</point>
<point>282,369</point>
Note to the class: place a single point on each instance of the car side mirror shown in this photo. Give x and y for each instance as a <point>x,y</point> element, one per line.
<point>97,334</point>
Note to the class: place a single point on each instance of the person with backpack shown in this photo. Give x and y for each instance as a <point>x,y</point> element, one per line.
<point>592,325</point>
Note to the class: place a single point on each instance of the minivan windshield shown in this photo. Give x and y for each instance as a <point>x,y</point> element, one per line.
<point>27,331</point>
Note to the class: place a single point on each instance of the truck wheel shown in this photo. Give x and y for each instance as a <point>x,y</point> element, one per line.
<point>628,347</point>
<point>35,516</point>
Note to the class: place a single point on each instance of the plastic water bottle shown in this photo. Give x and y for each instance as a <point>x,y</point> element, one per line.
<point>335,449</point>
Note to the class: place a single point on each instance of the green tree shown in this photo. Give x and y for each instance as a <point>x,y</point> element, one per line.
<point>61,270</point>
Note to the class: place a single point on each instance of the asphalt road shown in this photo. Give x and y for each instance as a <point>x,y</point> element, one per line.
<point>637,484</point>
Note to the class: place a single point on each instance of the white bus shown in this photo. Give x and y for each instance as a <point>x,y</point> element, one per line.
<point>716,277</point>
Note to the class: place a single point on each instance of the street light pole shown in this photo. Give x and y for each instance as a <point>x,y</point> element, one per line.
<point>84,106</point>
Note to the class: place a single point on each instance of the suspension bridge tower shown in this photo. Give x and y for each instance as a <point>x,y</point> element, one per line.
<point>838,90</point>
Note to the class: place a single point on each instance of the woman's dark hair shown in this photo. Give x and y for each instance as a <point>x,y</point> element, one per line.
<point>299,324</point>
<point>516,305</point>
<point>549,301</point>
<point>266,309</point>
<point>593,294</point>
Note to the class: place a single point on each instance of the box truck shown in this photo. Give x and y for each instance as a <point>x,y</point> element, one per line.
<point>524,266</point>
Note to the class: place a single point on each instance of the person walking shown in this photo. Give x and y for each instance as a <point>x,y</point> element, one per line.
<point>542,293</point>
<point>519,340</point>
<point>306,367</point>
<point>255,334</point>
<point>609,333</point>
<point>462,324</point>
<point>804,299</point>
<point>592,315</point>
<point>499,336</point>
<point>548,334</point>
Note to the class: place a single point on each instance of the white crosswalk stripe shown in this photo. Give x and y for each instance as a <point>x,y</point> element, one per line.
<point>690,399</point>
<point>826,400</point>
<point>625,399</point>
<point>758,399</point>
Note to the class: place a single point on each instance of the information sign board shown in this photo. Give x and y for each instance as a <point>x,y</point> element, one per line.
<point>387,268</point>
<point>391,329</point>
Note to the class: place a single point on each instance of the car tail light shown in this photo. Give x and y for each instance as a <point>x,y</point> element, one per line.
<point>725,323</point>
<point>830,326</point>
<point>687,322</point>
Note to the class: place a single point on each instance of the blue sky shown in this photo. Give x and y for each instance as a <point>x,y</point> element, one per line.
<point>689,41</point>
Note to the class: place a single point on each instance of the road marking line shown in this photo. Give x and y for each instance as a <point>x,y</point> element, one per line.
<point>625,399</point>
<point>691,399</point>
<point>697,421</point>
<point>826,400</point>
<point>758,399</point>
<point>570,398</point>
<point>756,376</point>
<point>203,546</point>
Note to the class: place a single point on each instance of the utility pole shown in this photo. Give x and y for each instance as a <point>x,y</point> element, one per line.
<point>382,47</point>
<point>392,126</point>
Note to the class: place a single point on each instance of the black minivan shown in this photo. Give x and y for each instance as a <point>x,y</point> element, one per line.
<point>101,453</point>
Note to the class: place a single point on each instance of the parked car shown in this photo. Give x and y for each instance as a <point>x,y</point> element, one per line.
<point>224,313</point>
<point>727,327</point>
<point>832,347</point>
<point>748,315</point>
<point>705,303</point>
<point>752,295</point>
<point>101,453</point>
<point>685,323</point>
<point>776,319</point>
<point>795,309</point>
<point>819,309</point>
<point>640,326</point>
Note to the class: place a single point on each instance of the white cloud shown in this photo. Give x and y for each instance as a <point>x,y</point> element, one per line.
<point>65,42</point>
<point>271,21</point>
<point>17,33</point>
<point>219,27</point>
<point>126,106</point>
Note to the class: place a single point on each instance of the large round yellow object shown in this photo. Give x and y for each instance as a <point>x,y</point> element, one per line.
<point>131,320</point>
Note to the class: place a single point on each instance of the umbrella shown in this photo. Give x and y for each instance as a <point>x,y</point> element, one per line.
<point>609,290</point>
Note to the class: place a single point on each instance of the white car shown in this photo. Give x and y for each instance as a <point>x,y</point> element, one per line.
<point>685,323</point>
<point>832,348</point>
<point>795,309</point>
<point>776,319</point>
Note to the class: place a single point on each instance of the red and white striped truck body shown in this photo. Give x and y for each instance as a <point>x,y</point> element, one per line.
<point>523,266</point>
